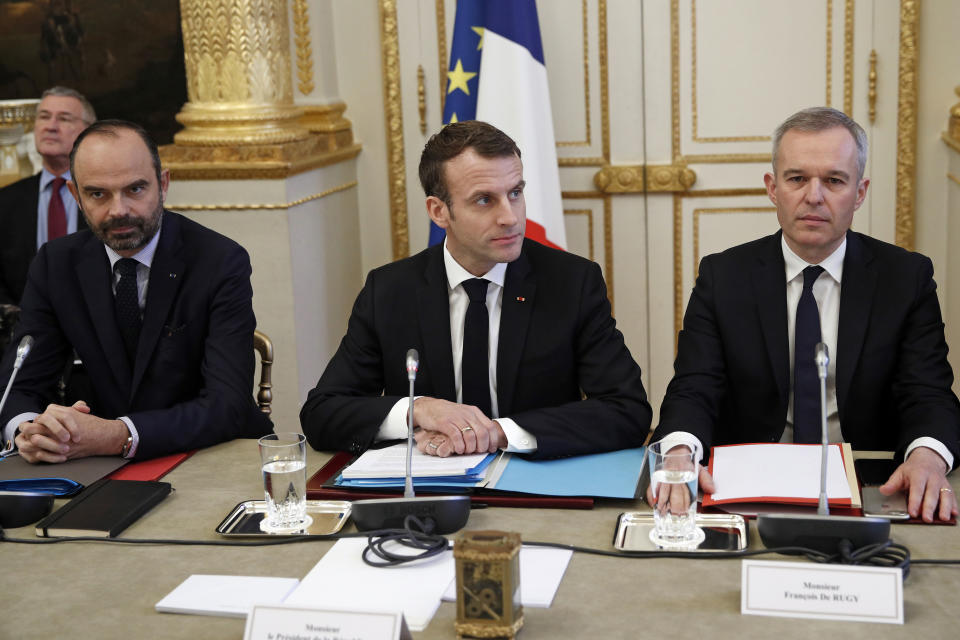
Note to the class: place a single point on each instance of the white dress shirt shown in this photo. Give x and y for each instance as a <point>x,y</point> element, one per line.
<point>144,259</point>
<point>519,440</point>
<point>43,205</point>
<point>826,291</point>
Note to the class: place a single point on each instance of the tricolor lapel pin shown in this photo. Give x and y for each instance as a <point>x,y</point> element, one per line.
<point>521,299</point>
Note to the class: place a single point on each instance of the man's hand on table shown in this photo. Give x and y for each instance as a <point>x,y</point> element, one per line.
<point>62,433</point>
<point>448,428</point>
<point>923,476</point>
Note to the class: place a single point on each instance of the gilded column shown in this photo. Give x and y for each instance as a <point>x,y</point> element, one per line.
<point>241,120</point>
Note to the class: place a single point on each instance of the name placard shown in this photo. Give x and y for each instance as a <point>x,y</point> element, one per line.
<point>280,622</point>
<point>824,591</point>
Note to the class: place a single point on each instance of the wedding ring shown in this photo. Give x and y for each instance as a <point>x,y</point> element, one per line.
<point>465,429</point>
<point>433,445</point>
<point>946,489</point>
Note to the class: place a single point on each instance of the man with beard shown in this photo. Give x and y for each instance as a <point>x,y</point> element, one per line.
<point>157,307</point>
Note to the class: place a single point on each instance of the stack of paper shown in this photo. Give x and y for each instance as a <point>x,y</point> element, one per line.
<point>387,467</point>
<point>782,474</point>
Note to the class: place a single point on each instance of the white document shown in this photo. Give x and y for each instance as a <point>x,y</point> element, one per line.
<point>230,596</point>
<point>858,593</point>
<point>776,471</point>
<point>391,462</point>
<point>342,579</point>
<point>541,570</point>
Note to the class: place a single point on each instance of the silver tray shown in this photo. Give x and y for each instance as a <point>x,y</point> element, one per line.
<point>328,516</point>
<point>723,532</point>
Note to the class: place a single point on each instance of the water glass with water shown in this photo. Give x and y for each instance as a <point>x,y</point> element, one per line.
<point>283,462</point>
<point>673,482</point>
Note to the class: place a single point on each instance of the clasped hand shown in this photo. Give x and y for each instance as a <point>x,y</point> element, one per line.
<point>61,433</point>
<point>447,428</point>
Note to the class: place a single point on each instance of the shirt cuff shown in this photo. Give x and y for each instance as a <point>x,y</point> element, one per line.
<point>133,434</point>
<point>678,438</point>
<point>936,445</point>
<point>519,440</point>
<point>394,426</point>
<point>11,428</point>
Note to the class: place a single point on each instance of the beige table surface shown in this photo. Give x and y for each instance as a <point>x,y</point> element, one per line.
<point>98,590</point>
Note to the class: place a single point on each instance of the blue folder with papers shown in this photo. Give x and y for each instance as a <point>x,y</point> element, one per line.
<point>614,474</point>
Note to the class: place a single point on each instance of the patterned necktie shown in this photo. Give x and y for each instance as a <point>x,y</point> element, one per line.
<point>806,386</point>
<point>56,214</point>
<point>475,366</point>
<point>127,305</point>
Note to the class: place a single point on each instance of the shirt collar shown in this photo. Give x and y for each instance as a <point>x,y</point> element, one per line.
<point>46,177</point>
<point>832,264</point>
<point>144,256</point>
<point>456,274</point>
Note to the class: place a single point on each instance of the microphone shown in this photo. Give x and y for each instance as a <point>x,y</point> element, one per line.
<point>822,532</point>
<point>413,362</point>
<point>23,350</point>
<point>822,359</point>
<point>447,513</point>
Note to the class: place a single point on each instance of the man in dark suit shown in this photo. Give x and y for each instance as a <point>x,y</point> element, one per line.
<point>30,211</point>
<point>517,346</point>
<point>745,369</point>
<point>157,307</point>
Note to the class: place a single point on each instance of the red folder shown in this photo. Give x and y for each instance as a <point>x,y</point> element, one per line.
<point>151,470</point>
<point>318,488</point>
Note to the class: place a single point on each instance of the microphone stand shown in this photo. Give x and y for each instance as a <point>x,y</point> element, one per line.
<point>447,513</point>
<point>822,532</point>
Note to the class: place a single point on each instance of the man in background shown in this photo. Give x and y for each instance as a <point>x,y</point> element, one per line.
<point>41,208</point>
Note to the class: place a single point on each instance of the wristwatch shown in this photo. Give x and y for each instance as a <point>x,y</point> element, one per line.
<point>126,447</point>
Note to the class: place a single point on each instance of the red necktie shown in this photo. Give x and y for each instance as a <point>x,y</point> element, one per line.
<point>56,214</point>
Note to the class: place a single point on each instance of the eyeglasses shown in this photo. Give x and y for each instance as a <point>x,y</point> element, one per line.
<point>61,118</point>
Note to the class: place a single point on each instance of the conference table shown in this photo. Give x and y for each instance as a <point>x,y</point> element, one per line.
<point>102,590</point>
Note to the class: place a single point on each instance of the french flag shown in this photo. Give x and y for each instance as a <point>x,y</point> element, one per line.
<point>497,75</point>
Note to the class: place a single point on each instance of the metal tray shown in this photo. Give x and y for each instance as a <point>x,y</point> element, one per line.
<point>723,532</point>
<point>329,516</point>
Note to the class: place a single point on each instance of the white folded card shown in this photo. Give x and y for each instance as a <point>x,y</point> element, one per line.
<point>825,591</point>
<point>342,580</point>
<point>230,596</point>
<point>303,623</point>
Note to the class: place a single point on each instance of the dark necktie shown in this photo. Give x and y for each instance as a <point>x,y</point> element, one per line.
<point>475,366</point>
<point>56,214</point>
<point>128,305</point>
<point>806,386</point>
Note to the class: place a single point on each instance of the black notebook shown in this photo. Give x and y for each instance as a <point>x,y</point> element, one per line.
<point>104,509</point>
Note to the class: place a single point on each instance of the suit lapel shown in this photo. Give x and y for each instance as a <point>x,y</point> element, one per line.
<point>166,274</point>
<point>856,299</point>
<point>433,304</point>
<point>516,307</point>
<point>93,272</point>
<point>770,285</point>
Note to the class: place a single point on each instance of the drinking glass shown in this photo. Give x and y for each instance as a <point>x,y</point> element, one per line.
<point>283,463</point>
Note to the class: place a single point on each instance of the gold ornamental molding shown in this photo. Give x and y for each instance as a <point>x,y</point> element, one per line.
<point>952,135</point>
<point>907,125</point>
<point>954,178</point>
<point>716,210</point>
<point>848,31</point>
<point>263,207</point>
<point>301,39</point>
<point>393,114</point>
<point>644,178</point>
<point>607,232</point>
<point>441,14</point>
<point>586,83</point>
